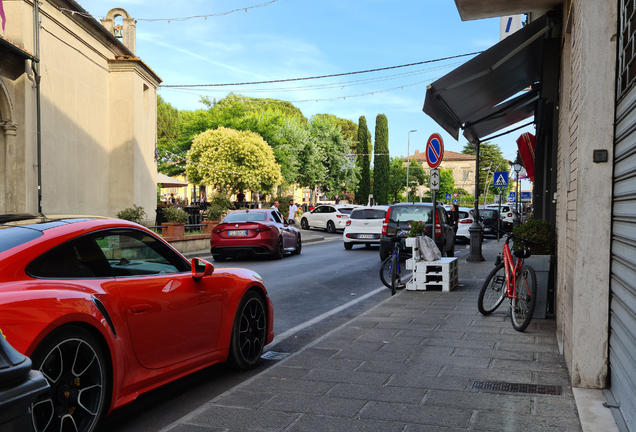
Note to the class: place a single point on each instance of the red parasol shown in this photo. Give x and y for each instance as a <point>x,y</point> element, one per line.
<point>526,149</point>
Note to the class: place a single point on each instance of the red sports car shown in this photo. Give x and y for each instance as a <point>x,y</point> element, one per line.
<point>254,232</point>
<point>107,310</point>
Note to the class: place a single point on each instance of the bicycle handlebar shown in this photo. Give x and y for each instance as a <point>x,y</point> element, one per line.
<point>512,235</point>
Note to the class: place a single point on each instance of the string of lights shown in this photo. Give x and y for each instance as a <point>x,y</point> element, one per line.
<point>322,76</point>
<point>340,85</point>
<point>217,14</point>
<point>188,91</point>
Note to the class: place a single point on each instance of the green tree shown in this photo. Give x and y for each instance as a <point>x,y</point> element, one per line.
<point>309,155</point>
<point>381,160</point>
<point>241,105</point>
<point>490,161</point>
<point>397,179</point>
<point>231,161</point>
<point>446,184</point>
<point>362,161</point>
<point>341,172</point>
<point>348,129</point>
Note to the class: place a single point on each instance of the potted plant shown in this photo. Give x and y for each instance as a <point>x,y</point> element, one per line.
<point>133,214</point>
<point>541,258</point>
<point>177,218</point>
<point>217,209</point>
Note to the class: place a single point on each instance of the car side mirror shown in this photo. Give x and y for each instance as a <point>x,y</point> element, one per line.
<point>201,268</point>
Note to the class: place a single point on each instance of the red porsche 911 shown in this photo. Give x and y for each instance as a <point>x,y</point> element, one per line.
<point>107,310</point>
<point>254,232</point>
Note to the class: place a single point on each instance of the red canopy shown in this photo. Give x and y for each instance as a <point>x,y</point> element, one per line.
<point>526,149</point>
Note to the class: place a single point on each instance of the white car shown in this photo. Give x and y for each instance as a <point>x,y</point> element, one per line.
<point>327,216</point>
<point>507,214</point>
<point>364,226</point>
<point>465,221</point>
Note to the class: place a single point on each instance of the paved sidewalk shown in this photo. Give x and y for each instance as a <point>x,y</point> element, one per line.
<point>407,365</point>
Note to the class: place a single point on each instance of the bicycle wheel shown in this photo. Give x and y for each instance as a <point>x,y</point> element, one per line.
<point>493,292</point>
<point>523,303</point>
<point>394,273</point>
<point>404,274</point>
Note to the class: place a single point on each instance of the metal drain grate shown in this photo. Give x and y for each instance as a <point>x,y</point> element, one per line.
<point>516,388</point>
<point>273,355</point>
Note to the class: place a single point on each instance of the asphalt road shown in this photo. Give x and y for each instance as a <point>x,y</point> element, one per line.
<point>313,293</point>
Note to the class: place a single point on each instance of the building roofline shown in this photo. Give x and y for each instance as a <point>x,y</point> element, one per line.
<point>6,43</point>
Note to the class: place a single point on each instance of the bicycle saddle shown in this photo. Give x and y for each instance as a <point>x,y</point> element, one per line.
<point>522,253</point>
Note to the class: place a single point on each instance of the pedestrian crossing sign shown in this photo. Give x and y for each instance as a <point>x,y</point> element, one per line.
<point>501,179</point>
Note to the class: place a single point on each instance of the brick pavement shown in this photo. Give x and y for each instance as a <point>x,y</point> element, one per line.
<point>407,365</point>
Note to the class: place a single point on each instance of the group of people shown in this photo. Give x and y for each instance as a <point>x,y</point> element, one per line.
<point>293,209</point>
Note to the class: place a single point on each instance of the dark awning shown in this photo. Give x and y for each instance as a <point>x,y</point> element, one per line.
<point>472,96</point>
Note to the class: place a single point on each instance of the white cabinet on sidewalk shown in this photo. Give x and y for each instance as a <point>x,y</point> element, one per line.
<point>442,273</point>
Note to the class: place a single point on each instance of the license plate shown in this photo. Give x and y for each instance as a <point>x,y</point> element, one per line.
<point>486,229</point>
<point>365,236</point>
<point>237,233</point>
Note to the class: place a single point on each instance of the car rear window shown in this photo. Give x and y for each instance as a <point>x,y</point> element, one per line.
<point>346,211</point>
<point>488,214</point>
<point>16,236</point>
<point>368,214</point>
<point>411,213</point>
<point>463,215</point>
<point>246,217</point>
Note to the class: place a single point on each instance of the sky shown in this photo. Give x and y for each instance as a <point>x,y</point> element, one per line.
<point>289,39</point>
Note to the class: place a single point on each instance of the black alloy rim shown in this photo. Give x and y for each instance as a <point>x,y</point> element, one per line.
<point>74,399</point>
<point>252,330</point>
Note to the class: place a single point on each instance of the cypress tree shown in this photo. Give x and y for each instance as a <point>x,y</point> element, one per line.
<point>362,192</point>
<point>381,164</point>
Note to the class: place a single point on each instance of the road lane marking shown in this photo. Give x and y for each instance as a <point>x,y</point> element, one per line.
<point>284,335</point>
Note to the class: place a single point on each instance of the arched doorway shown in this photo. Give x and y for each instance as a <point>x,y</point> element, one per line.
<point>8,159</point>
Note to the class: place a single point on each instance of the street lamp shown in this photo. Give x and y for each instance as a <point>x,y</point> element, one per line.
<point>408,160</point>
<point>517,168</point>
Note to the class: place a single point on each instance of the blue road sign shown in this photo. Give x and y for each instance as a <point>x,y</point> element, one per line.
<point>525,196</point>
<point>501,179</point>
<point>455,201</point>
<point>434,150</point>
<point>512,197</point>
<point>448,196</point>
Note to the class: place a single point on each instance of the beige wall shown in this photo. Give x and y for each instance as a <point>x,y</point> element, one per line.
<point>458,168</point>
<point>583,235</point>
<point>98,119</point>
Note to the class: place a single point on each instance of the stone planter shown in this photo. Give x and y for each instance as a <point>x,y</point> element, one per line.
<point>208,225</point>
<point>173,229</point>
<point>542,265</point>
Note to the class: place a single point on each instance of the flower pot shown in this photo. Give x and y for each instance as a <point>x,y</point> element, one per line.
<point>208,225</point>
<point>542,265</point>
<point>173,229</point>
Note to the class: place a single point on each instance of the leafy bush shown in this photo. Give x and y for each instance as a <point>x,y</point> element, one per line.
<point>417,229</point>
<point>539,231</point>
<point>175,215</point>
<point>133,214</point>
<point>218,207</point>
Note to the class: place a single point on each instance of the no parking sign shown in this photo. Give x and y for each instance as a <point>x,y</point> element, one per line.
<point>434,150</point>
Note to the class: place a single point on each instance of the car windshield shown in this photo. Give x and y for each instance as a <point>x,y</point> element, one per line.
<point>16,236</point>
<point>411,213</point>
<point>346,211</point>
<point>245,217</point>
<point>487,214</point>
<point>368,214</point>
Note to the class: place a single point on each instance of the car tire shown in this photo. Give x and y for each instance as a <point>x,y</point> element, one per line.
<point>299,245</point>
<point>71,348</point>
<point>331,228</point>
<point>348,246</point>
<point>249,332</point>
<point>304,224</point>
<point>280,249</point>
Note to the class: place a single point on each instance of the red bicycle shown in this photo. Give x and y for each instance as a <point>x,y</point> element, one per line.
<point>511,279</point>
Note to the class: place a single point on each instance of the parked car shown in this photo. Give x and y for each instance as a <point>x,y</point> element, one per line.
<point>364,226</point>
<point>329,217</point>
<point>254,232</point>
<point>465,221</point>
<point>403,214</point>
<point>490,219</point>
<point>506,216</point>
<point>107,311</point>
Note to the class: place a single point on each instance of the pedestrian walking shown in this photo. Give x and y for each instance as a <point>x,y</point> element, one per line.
<point>293,208</point>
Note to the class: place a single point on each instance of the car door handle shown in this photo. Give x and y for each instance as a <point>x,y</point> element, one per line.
<point>140,308</point>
